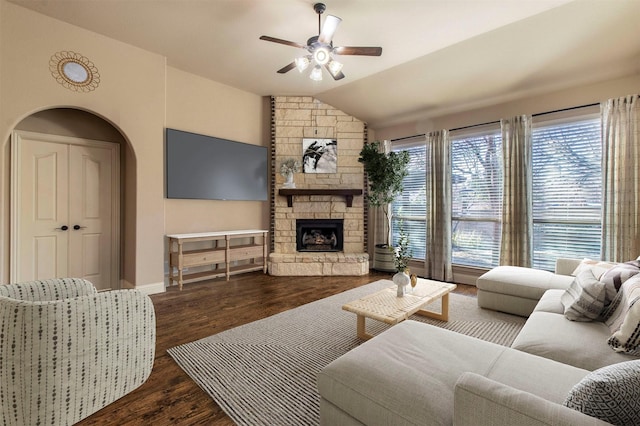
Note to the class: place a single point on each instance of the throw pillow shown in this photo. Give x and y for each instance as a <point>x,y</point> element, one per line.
<point>611,393</point>
<point>613,315</point>
<point>614,277</point>
<point>627,338</point>
<point>584,299</point>
<point>597,266</point>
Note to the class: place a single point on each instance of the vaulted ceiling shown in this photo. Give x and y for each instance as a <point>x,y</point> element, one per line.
<point>439,56</point>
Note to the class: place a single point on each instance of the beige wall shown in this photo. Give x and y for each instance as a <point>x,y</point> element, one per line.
<point>203,106</point>
<point>138,94</point>
<point>567,98</point>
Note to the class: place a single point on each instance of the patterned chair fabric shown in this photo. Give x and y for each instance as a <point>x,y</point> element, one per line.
<point>66,350</point>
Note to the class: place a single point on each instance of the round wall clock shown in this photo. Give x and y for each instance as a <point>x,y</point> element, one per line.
<point>74,71</point>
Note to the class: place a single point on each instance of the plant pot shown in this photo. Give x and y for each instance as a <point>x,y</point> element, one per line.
<point>383,258</point>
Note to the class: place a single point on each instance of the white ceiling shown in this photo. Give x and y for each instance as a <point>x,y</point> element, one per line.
<point>439,56</point>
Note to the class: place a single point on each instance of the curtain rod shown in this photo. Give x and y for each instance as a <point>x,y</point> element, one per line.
<point>498,121</point>
<point>409,137</point>
<point>532,115</point>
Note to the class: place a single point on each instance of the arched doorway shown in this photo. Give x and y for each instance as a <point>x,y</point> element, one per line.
<point>68,137</point>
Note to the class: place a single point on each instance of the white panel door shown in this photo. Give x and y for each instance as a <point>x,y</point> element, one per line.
<point>43,237</point>
<point>90,214</point>
<point>64,208</point>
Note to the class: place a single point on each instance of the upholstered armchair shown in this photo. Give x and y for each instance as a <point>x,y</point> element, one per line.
<point>66,350</point>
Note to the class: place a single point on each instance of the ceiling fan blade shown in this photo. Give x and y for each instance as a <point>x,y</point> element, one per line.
<point>287,68</point>
<point>358,50</point>
<point>338,76</point>
<point>281,41</point>
<point>329,28</point>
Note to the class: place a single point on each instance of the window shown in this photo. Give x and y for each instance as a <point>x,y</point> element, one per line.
<point>567,188</point>
<point>410,207</point>
<point>476,163</point>
<point>566,197</point>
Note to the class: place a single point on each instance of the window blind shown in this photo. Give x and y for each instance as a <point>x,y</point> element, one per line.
<point>567,189</point>
<point>476,197</point>
<point>410,207</point>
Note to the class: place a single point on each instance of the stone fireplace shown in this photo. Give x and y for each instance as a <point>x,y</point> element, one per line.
<point>318,228</point>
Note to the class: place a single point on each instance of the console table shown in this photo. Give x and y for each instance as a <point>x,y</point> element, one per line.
<point>220,255</point>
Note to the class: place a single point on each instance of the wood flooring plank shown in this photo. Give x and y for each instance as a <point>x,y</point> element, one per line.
<point>169,396</point>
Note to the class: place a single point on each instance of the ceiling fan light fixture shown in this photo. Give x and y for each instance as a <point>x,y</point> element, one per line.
<point>316,73</point>
<point>302,63</point>
<point>321,55</point>
<point>320,49</point>
<point>334,67</point>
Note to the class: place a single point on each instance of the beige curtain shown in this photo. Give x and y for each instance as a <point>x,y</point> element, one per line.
<point>621,178</point>
<point>438,257</point>
<point>516,246</point>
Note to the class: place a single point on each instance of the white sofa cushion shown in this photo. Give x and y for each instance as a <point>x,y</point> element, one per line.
<point>551,335</point>
<point>522,282</point>
<point>405,375</point>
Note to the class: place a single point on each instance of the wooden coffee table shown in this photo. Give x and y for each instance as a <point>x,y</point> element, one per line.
<point>385,306</point>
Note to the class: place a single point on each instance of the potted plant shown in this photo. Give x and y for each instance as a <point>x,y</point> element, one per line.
<point>385,173</point>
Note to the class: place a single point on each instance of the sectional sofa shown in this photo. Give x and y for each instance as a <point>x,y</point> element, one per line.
<point>417,374</point>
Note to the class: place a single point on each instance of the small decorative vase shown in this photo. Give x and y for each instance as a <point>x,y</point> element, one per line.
<point>402,280</point>
<point>289,183</point>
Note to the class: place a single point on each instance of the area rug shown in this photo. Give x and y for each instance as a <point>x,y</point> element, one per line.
<point>264,372</point>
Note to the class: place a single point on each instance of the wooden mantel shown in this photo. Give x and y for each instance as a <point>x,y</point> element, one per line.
<point>346,193</point>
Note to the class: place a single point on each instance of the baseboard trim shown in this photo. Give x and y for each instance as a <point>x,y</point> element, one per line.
<point>148,289</point>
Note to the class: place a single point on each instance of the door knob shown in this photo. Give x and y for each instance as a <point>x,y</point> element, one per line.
<point>76,227</point>
<point>62,228</point>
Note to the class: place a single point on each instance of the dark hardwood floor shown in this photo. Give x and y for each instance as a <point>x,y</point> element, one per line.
<point>169,396</point>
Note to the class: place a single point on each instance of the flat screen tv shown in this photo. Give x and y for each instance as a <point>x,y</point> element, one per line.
<point>209,168</point>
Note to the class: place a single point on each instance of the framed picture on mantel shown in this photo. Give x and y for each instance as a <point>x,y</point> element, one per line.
<point>320,155</point>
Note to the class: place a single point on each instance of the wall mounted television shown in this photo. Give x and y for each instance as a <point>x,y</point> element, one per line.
<point>210,168</point>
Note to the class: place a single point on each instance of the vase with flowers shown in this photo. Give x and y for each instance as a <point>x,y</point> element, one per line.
<point>287,168</point>
<point>401,256</point>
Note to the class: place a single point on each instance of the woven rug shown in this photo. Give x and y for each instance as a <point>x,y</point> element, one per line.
<point>264,372</point>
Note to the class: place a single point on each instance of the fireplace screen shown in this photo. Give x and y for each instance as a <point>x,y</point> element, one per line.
<point>319,234</point>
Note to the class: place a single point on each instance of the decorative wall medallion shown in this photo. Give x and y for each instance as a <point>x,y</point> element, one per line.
<point>74,71</point>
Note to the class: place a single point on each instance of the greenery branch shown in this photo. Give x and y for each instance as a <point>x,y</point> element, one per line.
<point>402,253</point>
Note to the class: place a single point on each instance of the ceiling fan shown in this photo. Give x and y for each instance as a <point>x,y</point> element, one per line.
<point>320,49</point>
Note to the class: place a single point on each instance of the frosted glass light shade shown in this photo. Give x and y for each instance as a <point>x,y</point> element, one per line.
<point>334,67</point>
<point>302,63</point>
<point>316,73</point>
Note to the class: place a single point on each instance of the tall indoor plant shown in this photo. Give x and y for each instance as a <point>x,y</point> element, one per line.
<point>385,173</point>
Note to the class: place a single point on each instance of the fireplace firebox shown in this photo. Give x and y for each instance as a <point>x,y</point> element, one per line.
<point>319,235</point>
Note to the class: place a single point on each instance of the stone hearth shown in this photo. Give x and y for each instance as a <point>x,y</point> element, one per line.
<point>295,118</point>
